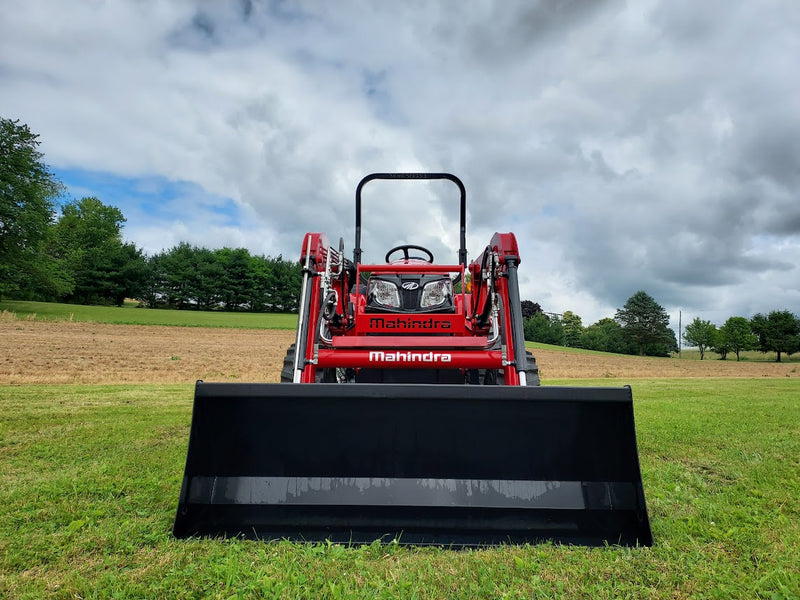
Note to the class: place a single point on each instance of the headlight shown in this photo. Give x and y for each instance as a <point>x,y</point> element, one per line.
<point>384,292</point>
<point>436,293</point>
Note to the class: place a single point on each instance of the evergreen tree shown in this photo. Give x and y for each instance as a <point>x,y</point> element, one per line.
<point>645,322</point>
<point>573,328</point>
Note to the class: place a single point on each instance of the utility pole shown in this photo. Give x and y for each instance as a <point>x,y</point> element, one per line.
<point>680,333</point>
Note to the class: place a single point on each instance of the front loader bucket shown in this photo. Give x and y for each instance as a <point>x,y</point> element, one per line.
<point>453,465</point>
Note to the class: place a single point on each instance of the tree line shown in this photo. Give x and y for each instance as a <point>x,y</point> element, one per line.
<point>223,279</point>
<point>79,255</point>
<point>641,327</point>
<point>777,331</point>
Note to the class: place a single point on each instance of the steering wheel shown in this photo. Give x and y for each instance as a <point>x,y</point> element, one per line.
<point>405,248</point>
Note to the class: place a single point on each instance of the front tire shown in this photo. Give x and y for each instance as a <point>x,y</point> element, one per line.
<point>287,372</point>
<point>532,374</point>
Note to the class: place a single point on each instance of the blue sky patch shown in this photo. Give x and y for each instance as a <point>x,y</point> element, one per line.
<point>148,199</point>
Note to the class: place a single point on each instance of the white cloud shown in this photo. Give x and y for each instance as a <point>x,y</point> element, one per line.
<point>650,145</point>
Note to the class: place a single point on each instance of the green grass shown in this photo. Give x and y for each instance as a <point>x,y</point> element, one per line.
<point>541,346</point>
<point>89,481</point>
<point>686,354</point>
<point>744,356</point>
<point>130,315</point>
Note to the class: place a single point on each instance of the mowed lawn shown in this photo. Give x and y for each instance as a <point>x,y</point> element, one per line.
<point>90,475</point>
<point>130,314</point>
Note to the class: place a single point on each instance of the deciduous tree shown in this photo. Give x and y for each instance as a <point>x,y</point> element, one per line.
<point>737,335</point>
<point>87,239</point>
<point>544,329</point>
<point>27,193</point>
<point>778,332</point>
<point>529,308</point>
<point>606,336</point>
<point>702,334</point>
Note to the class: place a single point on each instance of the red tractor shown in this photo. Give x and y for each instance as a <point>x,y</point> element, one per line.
<point>410,410</point>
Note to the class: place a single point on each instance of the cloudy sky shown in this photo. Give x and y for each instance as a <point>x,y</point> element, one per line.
<point>641,145</point>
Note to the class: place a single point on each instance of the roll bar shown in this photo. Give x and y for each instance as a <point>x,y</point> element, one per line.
<point>462,250</point>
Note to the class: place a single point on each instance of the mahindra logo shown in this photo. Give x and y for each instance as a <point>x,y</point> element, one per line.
<point>410,285</point>
<point>411,357</point>
<point>408,323</point>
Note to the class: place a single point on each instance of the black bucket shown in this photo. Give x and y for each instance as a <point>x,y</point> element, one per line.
<point>452,465</point>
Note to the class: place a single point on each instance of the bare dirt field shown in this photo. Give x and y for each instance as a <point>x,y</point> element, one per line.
<point>67,352</point>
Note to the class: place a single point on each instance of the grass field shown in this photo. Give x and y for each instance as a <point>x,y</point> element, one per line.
<point>130,315</point>
<point>689,354</point>
<point>90,476</point>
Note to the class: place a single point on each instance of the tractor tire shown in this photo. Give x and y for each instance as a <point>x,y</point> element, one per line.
<point>497,377</point>
<point>533,369</point>
<point>287,372</point>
